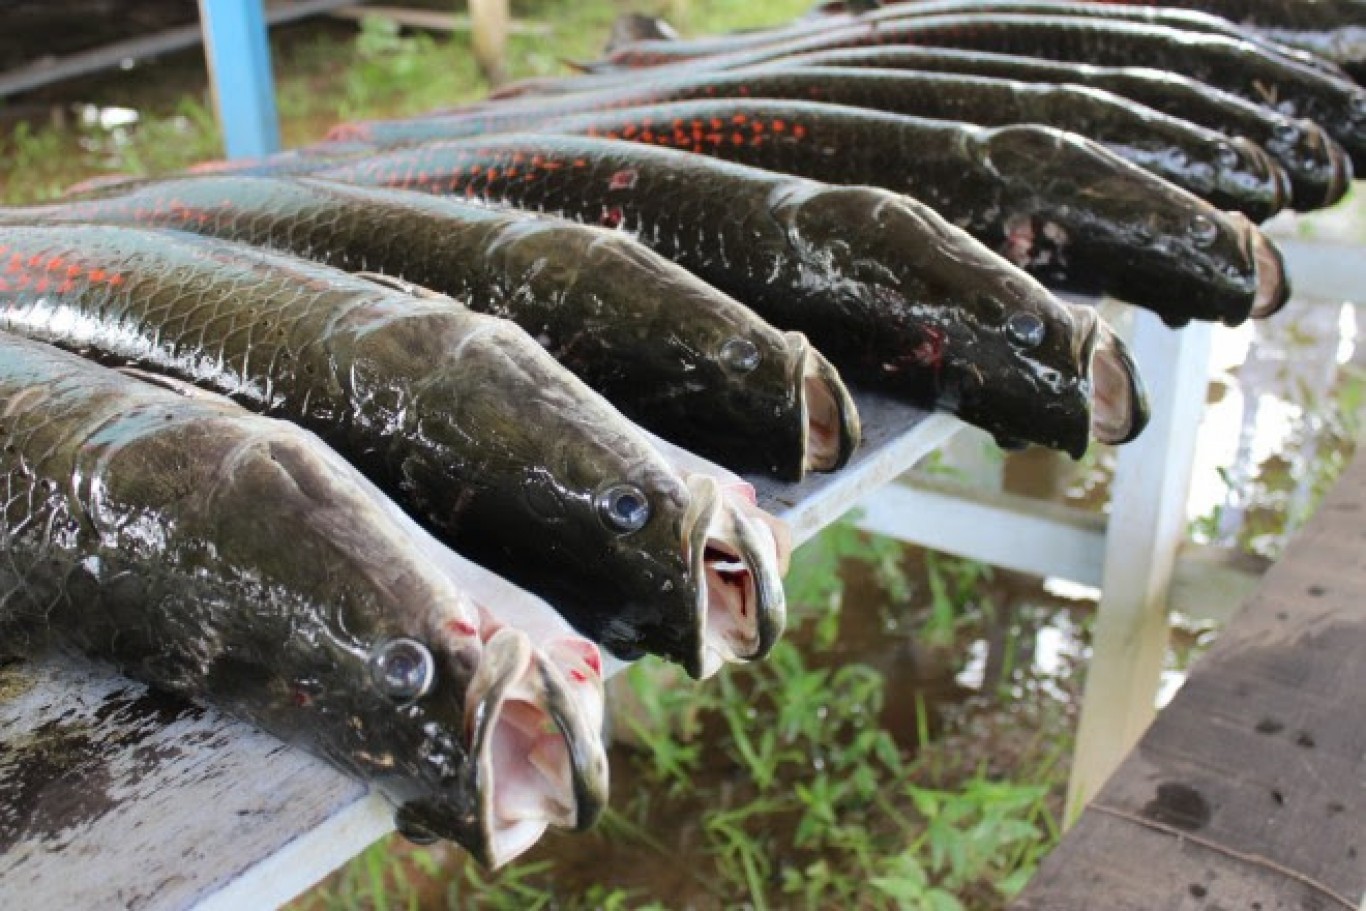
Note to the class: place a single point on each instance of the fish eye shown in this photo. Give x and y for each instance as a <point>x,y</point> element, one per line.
<point>1203,231</point>
<point>1286,132</point>
<point>402,669</point>
<point>740,355</point>
<point>623,508</point>
<point>1025,329</point>
<point>1226,155</point>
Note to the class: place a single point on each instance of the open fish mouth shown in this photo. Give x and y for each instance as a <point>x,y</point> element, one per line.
<point>536,763</point>
<point>830,421</point>
<point>1119,401</point>
<point>741,606</point>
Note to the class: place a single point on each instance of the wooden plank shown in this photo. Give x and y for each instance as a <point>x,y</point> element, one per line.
<point>110,797</point>
<point>1249,790</point>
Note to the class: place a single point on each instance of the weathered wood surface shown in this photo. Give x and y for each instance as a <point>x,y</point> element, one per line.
<point>1249,791</point>
<point>111,797</point>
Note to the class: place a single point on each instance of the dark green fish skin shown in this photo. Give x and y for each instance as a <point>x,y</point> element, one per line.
<point>225,556</point>
<point>1336,104</point>
<point>1231,173</point>
<point>1074,215</point>
<point>1319,169</point>
<point>1189,20</point>
<point>460,417</point>
<point>893,294</point>
<point>643,332</point>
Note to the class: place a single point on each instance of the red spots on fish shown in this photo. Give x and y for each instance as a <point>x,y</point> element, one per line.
<point>612,217</point>
<point>578,676</point>
<point>461,628</point>
<point>930,351</point>
<point>629,131</point>
<point>624,179</point>
<point>779,126</point>
<point>580,162</point>
<point>798,131</point>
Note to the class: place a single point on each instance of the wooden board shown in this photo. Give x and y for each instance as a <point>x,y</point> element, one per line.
<point>1249,791</point>
<point>114,797</point>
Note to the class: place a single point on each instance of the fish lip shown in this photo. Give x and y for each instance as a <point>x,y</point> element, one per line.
<point>587,755</point>
<point>508,659</point>
<point>1273,289</point>
<point>1340,171</point>
<point>704,498</point>
<point>1113,366</point>
<point>831,429</point>
<point>1259,159</point>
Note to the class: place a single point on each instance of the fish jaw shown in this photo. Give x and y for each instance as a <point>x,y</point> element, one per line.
<point>746,608</point>
<point>1119,400</point>
<point>830,419</point>
<point>532,761</point>
<point>1273,289</point>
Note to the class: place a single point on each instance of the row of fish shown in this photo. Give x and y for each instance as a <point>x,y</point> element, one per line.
<point>339,367</point>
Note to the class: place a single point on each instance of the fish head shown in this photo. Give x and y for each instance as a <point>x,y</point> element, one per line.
<point>925,309</point>
<point>1091,221</point>
<point>360,650</point>
<point>680,356</point>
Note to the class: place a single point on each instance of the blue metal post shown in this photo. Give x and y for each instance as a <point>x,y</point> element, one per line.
<point>239,67</point>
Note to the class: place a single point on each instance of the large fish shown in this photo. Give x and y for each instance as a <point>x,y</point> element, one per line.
<point>672,352</point>
<point>1337,104</point>
<point>667,49</point>
<point>1319,169</point>
<point>886,288</point>
<point>233,558</point>
<point>1066,210</point>
<point>461,416</point>
<point>1232,173</point>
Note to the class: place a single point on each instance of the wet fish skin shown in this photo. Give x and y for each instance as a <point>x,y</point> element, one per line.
<point>641,331</point>
<point>1319,169</point>
<point>888,290</point>
<point>460,416</point>
<point>1066,210</point>
<point>1338,105</point>
<point>222,556</point>
<point>1231,173</point>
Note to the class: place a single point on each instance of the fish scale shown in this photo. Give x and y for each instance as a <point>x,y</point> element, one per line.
<point>453,413</point>
<point>1338,105</point>
<point>638,329</point>
<point>985,181</point>
<point>881,284</point>
<point>1232,173</point>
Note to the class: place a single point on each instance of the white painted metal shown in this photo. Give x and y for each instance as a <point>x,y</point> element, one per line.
<point>1147,525</point>
<point>1019,533</point>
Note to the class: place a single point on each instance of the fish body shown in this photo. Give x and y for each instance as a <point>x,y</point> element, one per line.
<point>1232,173</point>
<point>233,558</point>
<point>1065,209</point>
<point>1319,169</point>
<point>1245,69</point>
<point>892,293</point>
<point>461,416</point>
<point>672,352</point>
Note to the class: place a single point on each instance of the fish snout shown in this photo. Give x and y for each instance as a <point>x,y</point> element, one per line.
<point>830,417</point>
<point>1273,288</point>
<point>1269,181</point>
<point>533,762</point>
<point>1119,400</point>
<point>741,603</point>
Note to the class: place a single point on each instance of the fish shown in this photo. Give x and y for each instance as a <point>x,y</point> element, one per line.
<point>1232,173</point>
<point>1319,169</point>
<point>894,295</point>
<point>1075,216</point>
<point>1244,69</point>
<point>1184,19</point>
<point>673,353</point>
<point>461,416</point>
<point>232,558</point>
